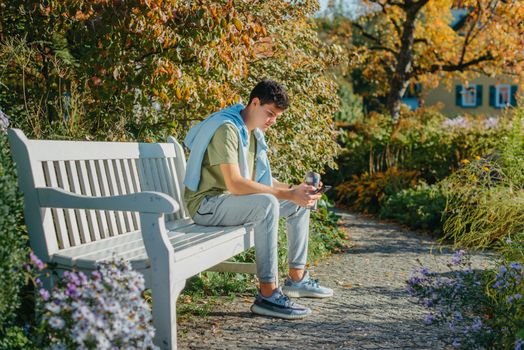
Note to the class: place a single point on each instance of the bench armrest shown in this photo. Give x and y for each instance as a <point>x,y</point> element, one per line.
<point>146,201</point>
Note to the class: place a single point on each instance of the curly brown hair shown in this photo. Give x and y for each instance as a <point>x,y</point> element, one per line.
<point>269,91</point>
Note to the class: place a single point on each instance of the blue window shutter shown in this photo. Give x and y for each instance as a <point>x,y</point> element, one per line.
<point>513,100</point>
<point>479,95</point>
<point>492,92</point>
<point>458,95</point>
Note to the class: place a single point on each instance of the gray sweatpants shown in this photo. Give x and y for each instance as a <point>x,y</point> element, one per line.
<point>263,210</point>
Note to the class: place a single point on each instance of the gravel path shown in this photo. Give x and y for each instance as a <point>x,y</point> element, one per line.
<point>370,309</point>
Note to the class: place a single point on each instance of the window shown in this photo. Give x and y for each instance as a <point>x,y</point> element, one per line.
<point>469,96</point>
<point>502,96</point>
<point>411,97</point>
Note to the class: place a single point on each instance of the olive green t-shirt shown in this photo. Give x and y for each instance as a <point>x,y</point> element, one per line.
<point>222,149</point>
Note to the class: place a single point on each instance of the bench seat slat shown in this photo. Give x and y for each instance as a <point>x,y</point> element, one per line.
<point>186,241</point>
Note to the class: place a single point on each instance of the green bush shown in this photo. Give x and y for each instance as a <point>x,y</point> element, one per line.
<point>485,198</point>
<point>423,141</point>
<point>512,248</point>
<point>13,249</point>
<point>351,106</point>
<point>367,193</point>
<point>419,208</point>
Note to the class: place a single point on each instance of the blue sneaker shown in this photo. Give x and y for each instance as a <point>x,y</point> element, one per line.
<point>306,287</point>
<point>278,305</point>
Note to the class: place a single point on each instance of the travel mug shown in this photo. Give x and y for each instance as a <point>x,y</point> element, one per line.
<point>313,179</point>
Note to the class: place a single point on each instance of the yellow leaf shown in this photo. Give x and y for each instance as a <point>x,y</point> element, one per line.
<point>238,24</point>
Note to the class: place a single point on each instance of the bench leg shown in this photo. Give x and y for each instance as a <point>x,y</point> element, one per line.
<point>164,315</point>
<point>165,287</point>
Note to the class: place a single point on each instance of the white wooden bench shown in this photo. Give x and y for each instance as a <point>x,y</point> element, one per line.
<point>85,201</point>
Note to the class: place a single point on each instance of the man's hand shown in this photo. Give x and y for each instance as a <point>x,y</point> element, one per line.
<point>303,195</point>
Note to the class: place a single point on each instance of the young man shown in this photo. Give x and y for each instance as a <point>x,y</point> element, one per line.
<point>228,182</point>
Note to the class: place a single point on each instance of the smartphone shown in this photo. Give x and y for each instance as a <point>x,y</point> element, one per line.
<point>323,189</point>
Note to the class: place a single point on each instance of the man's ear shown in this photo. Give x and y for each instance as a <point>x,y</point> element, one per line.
<point>255,101</point>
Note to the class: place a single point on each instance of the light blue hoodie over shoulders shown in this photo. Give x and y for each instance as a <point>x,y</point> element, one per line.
<point>200,135</point>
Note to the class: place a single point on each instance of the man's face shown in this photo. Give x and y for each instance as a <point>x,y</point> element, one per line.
<point>265,115</point>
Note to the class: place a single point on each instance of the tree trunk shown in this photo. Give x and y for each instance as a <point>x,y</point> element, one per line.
<point>400,78</point>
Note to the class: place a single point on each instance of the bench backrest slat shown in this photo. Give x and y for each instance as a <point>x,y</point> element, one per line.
<point>80,215</point>
<point>58,215</point>
<point>92,169</point>
<point>92,217</point>
<point>92,178</point>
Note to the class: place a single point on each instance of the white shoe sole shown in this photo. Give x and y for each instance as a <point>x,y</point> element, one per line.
<point>304,294</point>
<point>265,312</point>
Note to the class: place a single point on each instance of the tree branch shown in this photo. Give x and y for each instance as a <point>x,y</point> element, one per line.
<point>366,34</point>
<point>383,48</point>
<point>461,66</point>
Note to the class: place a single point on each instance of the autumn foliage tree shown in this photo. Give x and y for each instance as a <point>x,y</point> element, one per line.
<point>139,69</point>
<point>401,41</point>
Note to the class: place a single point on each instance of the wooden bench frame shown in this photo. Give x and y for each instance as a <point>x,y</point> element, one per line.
<point>88,201</point>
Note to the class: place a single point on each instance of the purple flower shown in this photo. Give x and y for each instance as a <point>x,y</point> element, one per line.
<point>83,277</point>
<point>491,123</point>
<point>425,271</point>
<point>56,322</point>
<point>72,277</point>
<point>515,266</point>
<point>458,256</point>
<point>510,298</point>
<point>518,344</point>
<point>71,290</point>
<point>44,294</point>
<point>427,303</point>
<point>34,259</point>
<point>477,324</point>
<point>456,343</point>
<point>429,319</point>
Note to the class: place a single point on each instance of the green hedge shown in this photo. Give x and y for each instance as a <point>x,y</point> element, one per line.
<point>13,251</point>
<point>419,208</point>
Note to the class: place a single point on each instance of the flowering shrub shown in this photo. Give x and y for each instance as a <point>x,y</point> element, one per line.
<point>424,140</point>
<point>480,308</point>
<point>368,192</point>
<point>103,311</point>
<point>485,197</point>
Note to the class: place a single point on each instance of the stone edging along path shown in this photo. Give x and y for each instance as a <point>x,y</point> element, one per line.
<point>370,309</point>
